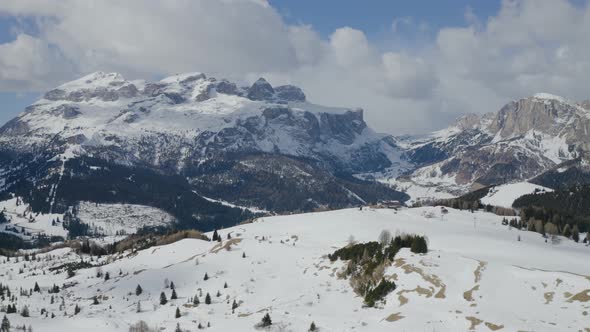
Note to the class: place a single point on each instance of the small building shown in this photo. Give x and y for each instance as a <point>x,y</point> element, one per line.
<point>390,204</point>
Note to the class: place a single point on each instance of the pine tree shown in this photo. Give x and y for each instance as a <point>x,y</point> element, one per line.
<point>163,299</point>
<point>177,328</point>
<point>234,305</point>
<point>196,300</point>
<point>200,327</point>
<point>36,288</point>
<point>266,321</point>
<point>225,285</point>
<point>206,277</point>
<point>177,313</point>
<point>208,299</point>
<point>5,326</point>
<point>215,235</point>
<point>25,311</point>
<point>312,327</point>
<point>567,231</point>
<point>576,233</point>
<point>107,276</point>
<point>172,285</point>
<point>138,290</point>
<point>244,254</point>
<point>76,310</point>
<point>173,296</point>
<point>95,300</point>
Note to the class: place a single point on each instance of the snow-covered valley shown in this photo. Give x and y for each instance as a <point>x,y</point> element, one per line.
<point>478,275</point>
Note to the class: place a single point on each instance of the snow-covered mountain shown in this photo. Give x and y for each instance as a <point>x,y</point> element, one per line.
<point>258,146</point>
<point>478,275</point>
<point>522,140</point>
<point>186,119</point>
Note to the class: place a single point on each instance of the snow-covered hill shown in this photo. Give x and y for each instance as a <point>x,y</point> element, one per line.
<point>477,276</point>
<point>102,219</point>
<point>505,195</point>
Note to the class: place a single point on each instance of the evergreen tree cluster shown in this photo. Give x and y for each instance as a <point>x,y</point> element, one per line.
<point>561,207</point>
<point>379,292</point>
<point>366,258</point>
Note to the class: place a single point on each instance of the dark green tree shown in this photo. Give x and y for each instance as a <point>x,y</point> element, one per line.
<point>177,315</point>
<point>5,326</point>
<point>138,290</point>
<point>163,299</point>
<point>312,327</point>
<point>266,321</point>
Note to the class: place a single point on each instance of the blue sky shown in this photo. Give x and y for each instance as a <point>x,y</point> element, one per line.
<point>375,17</point>
<point>413,65</point>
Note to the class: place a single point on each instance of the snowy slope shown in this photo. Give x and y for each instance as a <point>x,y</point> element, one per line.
<point>26,224</point>
<point>103,219</point>
<point>506,194</point>
<point>110,219</point>
<point>477,276</point>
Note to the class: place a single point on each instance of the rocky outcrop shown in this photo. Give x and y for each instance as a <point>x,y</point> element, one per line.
<point>523,139</point>
<point>177,125</point>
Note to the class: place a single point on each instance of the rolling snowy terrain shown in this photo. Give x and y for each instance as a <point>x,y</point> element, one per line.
<point>102,219</point>
<point>505,195</point>
<point>478,275</point>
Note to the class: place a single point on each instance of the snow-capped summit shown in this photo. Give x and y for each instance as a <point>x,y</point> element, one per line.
<point>187,123</point>
<point>549,96</point>
<point>525,138</point>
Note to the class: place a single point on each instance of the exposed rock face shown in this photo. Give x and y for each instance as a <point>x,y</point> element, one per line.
<point>176,125</point>
<point>289,93</point>
<point>261,90</point>
<point>522,140</point>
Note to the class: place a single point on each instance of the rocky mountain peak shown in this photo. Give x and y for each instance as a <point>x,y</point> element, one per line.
<point>261,90</point>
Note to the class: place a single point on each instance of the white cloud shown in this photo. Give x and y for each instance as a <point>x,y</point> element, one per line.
<point>528,46</point>
<point>29,63</point>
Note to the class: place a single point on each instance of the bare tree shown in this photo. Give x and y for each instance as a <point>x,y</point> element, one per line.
<point>385,237</point>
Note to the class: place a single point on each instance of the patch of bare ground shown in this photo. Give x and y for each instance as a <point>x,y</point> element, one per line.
<point>399,262</point>
<point>494,327</point>
<point>430,278</point>
<point>468,295</point>
<point>394,317</point>
<point>474,322</point>
<point>420,290</point>
<point>549,297</point>
<point>479,270</point>
<point>583,296</point>
<point>225,245</point>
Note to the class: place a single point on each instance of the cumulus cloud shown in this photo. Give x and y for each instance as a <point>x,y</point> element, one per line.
<point>29,63</point>
<point>528,46</point>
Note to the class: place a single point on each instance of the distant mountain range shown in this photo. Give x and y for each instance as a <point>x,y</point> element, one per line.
<point>103,138</point>
<point>188,142</point>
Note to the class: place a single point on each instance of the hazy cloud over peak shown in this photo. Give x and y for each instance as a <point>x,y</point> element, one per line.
<point>476,66</point>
